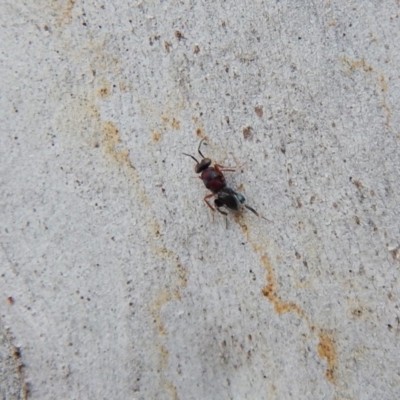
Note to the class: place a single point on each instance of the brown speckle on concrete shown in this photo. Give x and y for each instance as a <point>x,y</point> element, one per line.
<point>395,253</point>
<point>248,132</point>
<point>179,35</point>
<point>167,46</point>
<point>357,184</point>
<point>259,111</point>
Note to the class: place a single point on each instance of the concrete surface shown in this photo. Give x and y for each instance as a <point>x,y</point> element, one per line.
<point>117,282</point>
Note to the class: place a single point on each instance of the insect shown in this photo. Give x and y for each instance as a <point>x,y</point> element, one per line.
<point>214,180</point>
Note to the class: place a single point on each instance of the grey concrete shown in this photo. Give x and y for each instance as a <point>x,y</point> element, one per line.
<point>118,282</point>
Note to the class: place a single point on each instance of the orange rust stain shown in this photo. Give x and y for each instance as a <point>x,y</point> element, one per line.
<point>67,13</point>
<point>92,111</point>
<point>388,112</point>
<point>155,228</point>
<point>104,88</point>
<point>173,391</point>
<point>164,366</point>
<point>326,349</point>
<point>164,357</point>
<point>64,11</point>
<point>171,121</point>
<point>163,298</point>
<point>269,292</point>
<point>326,346</point>
<point>175,124</point>
<point>70,6</point>
<point>124,87</point>
<point>357,64</point>
<point>111,142</point>
<point>181,271</point>
<point>380,78</point>
<point>156,136</point>
<point>17,365</point>
<point>104,92</point>
<point>199,128</point>
<point>113,147</point>
<point>240,220</point>
<point>303,285</point>
<point>383,82</point>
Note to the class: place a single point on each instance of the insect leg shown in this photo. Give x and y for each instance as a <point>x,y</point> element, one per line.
<point>207,197</point>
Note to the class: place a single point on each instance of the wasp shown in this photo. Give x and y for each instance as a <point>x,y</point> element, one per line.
<point>214,180</point>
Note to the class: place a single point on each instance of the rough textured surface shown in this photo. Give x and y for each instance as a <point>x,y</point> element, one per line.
<point>117,281</point>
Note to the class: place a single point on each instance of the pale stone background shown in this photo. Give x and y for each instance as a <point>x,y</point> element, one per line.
<point>116,280</point>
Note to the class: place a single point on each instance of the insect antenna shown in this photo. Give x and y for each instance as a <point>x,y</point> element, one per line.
<point>202,140</point>
<point>189,155</point>
<point>251,209</point>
